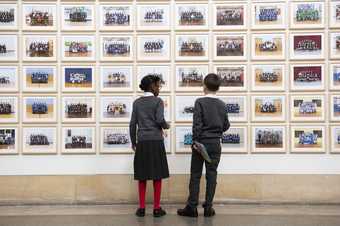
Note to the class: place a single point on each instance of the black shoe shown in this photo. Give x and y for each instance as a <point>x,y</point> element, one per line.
<point>140,212</point>
<point>209,212</point>
<point>159,212</point>
<point>187,212</point>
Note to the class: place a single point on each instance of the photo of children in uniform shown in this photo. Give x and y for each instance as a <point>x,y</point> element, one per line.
<point>115,108</point>
<point>40,47</point>
<point>116,48</point>
<point>307,14</point>
<point>335,107</point>
<point>230,46</point>
<point>190,77</point>
<point>191,16</point>
<point>268,77</point>
<point>78,47</point>
<point>167,110</point>
<point>39,140</point>
<point>191,47</point>
<point>8,140</point>
<point>268,15</point>
<point>77,17</point>
<point>307,107</point>
<point>116,17</point>
<point>308,139</point>
<point>307,46</point>
<point>232,77</point>
<point>39,78</point>
<point>153,47</point>
<point>8,16</point>
<point>39,16</point>
<point>8,47</point>
<point>268,45</point>
<point>334,76</point>
<point>78,109</point>
<point>78,140</point>
<point>334,18</point>
<point>183,139</point>
<point>184,108</point>
<point>335,45</point>
<point>115,140</point>
<point>307,77</point>
<point>78,78</point>
<point>335,139</point>
<point>37,109</point>
<point>236,107</point>
<point>161,71</point>
<point>8,109</point>
<point>152,17</point>
<point>234,140</point>
<point>268,138</point>
<point>8,78</point>
<point>229,15</point>
<point>268,108</point>
<point>116,78</point>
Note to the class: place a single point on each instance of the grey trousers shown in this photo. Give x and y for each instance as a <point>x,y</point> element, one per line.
<point>214,150</point>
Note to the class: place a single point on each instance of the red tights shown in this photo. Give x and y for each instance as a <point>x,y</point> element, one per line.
<point>157,187</point>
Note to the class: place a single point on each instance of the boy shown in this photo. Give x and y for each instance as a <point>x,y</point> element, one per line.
<point>210,121</point>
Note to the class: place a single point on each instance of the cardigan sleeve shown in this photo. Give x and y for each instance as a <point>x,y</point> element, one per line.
<point>133,125</point>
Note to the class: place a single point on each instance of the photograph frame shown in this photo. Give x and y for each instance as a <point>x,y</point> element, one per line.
<point>273,98</point>
<point>45,5</point>
<point>188,99</point>
<point>28,130</point>
<point>334,39</point>
<point>334,20</point>
<point>14,24</point>
<point>294,25</point>
<point>243,149</point>
<point>87,99</point>
<point>51,119</point>
<point>130,72</point>
<point>309,108</point>
<point>244,17</point>
<point>142,57</point>
<point>77,89</point>
<point>16,148</point>
<point>254,16</point>
<point>282,45</point>
<point>334,147</point>
<point>244,76</point>
<point>121,150</point>
<point>39,89</point>
<point>293,87</point>
<point>167,17</point>
<point>89,27</point>
<point>101,21</point>
<point>244,45</point>
<point>90,39</point>
<point>15,39</point>
<point>116,100</point>
<point>15,118</point>
<point>91,150</point>
<point>117,58</point>
<point>203,68</point>
<point>179,27</point>
<point>186,149</point>
<point>227,99</point>
<point>334,105</point>
<point>320,150</point>
<point>272,150</point>
<point>334,76</point>
<point>50,38</point>
<point>3,78</point>
<point>205,47</point>
<point>270,87</point>
<point>294,56</point>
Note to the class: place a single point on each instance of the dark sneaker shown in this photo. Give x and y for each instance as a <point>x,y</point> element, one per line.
<point>188,212</point>
<point>140,212</point>
<point>159,212</point>
<point>209,212</point>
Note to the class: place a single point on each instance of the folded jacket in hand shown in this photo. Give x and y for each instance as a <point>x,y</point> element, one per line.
<point>200,148</point>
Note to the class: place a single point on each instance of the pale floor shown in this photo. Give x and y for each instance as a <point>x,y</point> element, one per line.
<point>123,215</point>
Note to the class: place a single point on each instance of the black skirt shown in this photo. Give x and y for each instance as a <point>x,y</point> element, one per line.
<point>150,162</point>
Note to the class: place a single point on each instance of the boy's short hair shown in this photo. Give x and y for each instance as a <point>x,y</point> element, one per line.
<point>213,82</point>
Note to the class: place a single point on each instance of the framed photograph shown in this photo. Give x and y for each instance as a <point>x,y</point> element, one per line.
<point>167,107</point>
<point>39,17</point>
<point>78,109</point>
<point>9,79</point>
<point>40,48</point>
<point>78,48</point>
<point>116,108</point>
<point>192,47</point>
<point>307,15</point>
<point>77,17</point>
<point>268,15</point>
<point>230,16</point>
<point>308,139</point>
<point>8,47</point>
<point>39,140</point>
<point>268,77</point>
<point>116,17</point>
<point>116,48</point>
<point>236,107</point>
<point>190,77</point>
<point>334,45</point>
<point>334,75</point>
<point>153,48</point>
<point>184,108</point>
<point>115,140</point>
<point>230,47</point>
<point>335,139</point>
<point>268,46</point>
<point>8,109</point>
<point>9,18</point>
<point>307,46</point>
<point>183,139</point>
<point>116,78</point>
<point>268,139</point>
<point>235,140</point>
<point>335,107</point>
<point>161,71</point>
<point>39,109</point>
<point>191,17</point>
<point>39,78</point>
<point>153,17</point>
<point>307,77</point>
<point>307,108</point>
<point>268,108</point>
<point>9,142</point>
<point>234,77</point>
<point>78,79</point>
<point>78,140</point>
<point>334,14</point>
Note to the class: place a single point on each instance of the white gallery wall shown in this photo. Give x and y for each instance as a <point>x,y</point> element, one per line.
<point>70,70</point>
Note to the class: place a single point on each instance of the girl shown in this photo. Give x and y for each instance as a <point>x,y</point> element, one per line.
<point>150,162</point>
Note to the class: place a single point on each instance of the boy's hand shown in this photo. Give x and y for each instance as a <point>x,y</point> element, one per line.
<point>134,148</point>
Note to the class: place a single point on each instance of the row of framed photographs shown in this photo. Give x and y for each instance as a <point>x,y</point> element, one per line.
<point>115,140</point>
<point>157,47</point>
<point>80,109</point>
<point>183,77</point>
<point>186,16</point>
